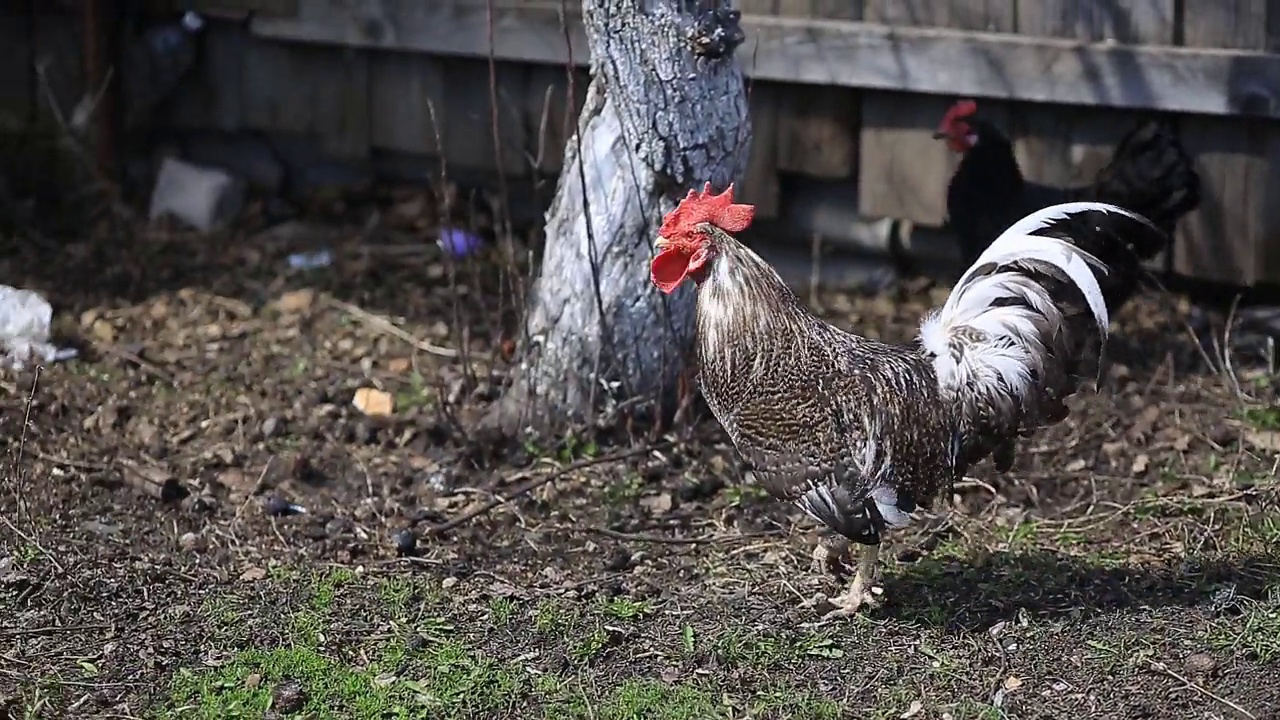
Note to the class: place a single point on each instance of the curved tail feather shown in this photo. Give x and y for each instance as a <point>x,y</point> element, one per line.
<point>1010,342</point>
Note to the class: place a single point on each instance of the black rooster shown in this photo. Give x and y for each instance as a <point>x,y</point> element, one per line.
<point>1150,174</point>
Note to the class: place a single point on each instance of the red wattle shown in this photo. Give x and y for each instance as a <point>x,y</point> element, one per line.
<point>669,269</point>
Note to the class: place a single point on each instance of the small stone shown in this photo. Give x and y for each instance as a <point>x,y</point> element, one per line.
<point>415,642</point>
<point>277,506</point>
<point>654,470</point>
<point>618,562</point>
<point>448,582</point>
<point>253,681</point>
<point>1199,663</point>
<point>296,301</point>
<point>190,542</point>
<point>288,697</point>
<point>337,526</point>
<point>272,427</point>
<point>406,542</point>
<point>362,432</point>
<point>253,574</point>
<point>373,402</point>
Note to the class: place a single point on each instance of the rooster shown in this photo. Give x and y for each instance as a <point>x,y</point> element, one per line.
<point>1150,174</point>
<point>859,433</point>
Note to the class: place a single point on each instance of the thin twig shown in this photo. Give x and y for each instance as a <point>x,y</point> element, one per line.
<point>68,462</point>
<point>1161,667</point>
<point>19,472</point>
<point>535,484</point>
<point>663,540</point>
<point>34,543</point>
<point>377,322</point>
<point>150,368</point>
<point>52,629</point>
<point>109,189</point>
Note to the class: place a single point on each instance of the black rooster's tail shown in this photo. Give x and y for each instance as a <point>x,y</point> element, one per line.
<point>1152,175</point>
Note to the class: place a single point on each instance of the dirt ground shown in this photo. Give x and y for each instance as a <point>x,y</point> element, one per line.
<point>151,564</point>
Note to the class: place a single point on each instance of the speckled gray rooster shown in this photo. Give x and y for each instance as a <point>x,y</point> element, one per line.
<point>859,433</point>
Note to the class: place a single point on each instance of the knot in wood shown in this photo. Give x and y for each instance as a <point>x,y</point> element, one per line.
<point>716,32</point>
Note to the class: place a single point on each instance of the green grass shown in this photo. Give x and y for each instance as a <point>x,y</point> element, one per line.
<point>1263,418</point>
<point>419,658</point>
<point>1252,632</point>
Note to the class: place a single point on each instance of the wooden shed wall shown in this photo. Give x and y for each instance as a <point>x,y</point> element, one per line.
<point>902,171</point>
<point>840,89</point>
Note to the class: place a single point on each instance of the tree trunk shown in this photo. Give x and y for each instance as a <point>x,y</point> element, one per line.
<point>658,120</point>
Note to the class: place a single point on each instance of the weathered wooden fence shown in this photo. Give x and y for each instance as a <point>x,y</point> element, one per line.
<point>843,90</point>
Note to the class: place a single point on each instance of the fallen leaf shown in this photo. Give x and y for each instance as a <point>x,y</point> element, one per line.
<point>1013,682</point>
<point>1267,440</point>
<point>103,330</point>
<point>916,707</point>
<point>1182,443</point>
<point>399,365</point>
<point>1140,464</point>
<point>253,574</point>
<point>296,301</point>
<point>1076,465</point>
<point>1147,421</point>
<point>658,504</point>
<point>373,402</point>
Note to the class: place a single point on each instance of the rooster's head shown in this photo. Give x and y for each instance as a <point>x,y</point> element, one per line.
<point>956,127</point>
<point>686,240</point>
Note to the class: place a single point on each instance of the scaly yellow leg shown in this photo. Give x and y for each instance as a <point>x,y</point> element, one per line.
<point>859,592</point>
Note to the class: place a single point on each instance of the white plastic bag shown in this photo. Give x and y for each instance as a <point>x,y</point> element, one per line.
<point>25,317</point>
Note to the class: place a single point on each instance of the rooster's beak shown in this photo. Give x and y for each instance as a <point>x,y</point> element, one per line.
<point>661,243</point>
<point>940,135</point>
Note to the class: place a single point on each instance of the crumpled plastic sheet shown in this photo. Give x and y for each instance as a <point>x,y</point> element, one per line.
<point>25,317</point>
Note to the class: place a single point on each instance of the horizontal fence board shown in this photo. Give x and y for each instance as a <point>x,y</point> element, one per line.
<point>848,54</point>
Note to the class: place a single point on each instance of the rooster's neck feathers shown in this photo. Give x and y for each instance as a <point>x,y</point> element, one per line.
<point>744,306</point>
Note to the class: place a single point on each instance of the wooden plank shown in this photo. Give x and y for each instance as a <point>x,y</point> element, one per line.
<point>988,15</point>
<point>1135,22</point>
<point>816,128</point>
<point>837,9</point>
<point>414,85</point>
<point>1225,24</point>
<point>904,171</point>
<point>1069,148</point>
<point>17,101</point>
<point>817,131</point>
<point>760,186</point>
<point>1273,26</point>
<point>852,54</point>
<point>210,98</point>
<point>551,114</point>
<point>793,8</point>
<point>1232,237</point>
<point>311,91</point>
<point>468,116</point>
<point>758,7</point>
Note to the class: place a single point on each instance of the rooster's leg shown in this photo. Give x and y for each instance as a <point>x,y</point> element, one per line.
<point>859,592</point>
<point>830,555</point>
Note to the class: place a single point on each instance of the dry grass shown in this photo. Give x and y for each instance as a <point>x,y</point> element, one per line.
<point>1126,567</point>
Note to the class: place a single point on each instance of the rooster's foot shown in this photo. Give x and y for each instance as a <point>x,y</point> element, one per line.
<point>830,556</point>
<point>861,592</point>
<point>851,601</point>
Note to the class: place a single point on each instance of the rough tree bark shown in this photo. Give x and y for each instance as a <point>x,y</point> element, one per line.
<point>658,120</point>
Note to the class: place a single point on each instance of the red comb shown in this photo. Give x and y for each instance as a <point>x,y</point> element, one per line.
<point>703,207</point>
<point>962,109</point>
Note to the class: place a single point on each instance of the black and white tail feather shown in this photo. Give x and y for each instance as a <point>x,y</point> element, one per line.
<point>1012,338</point>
